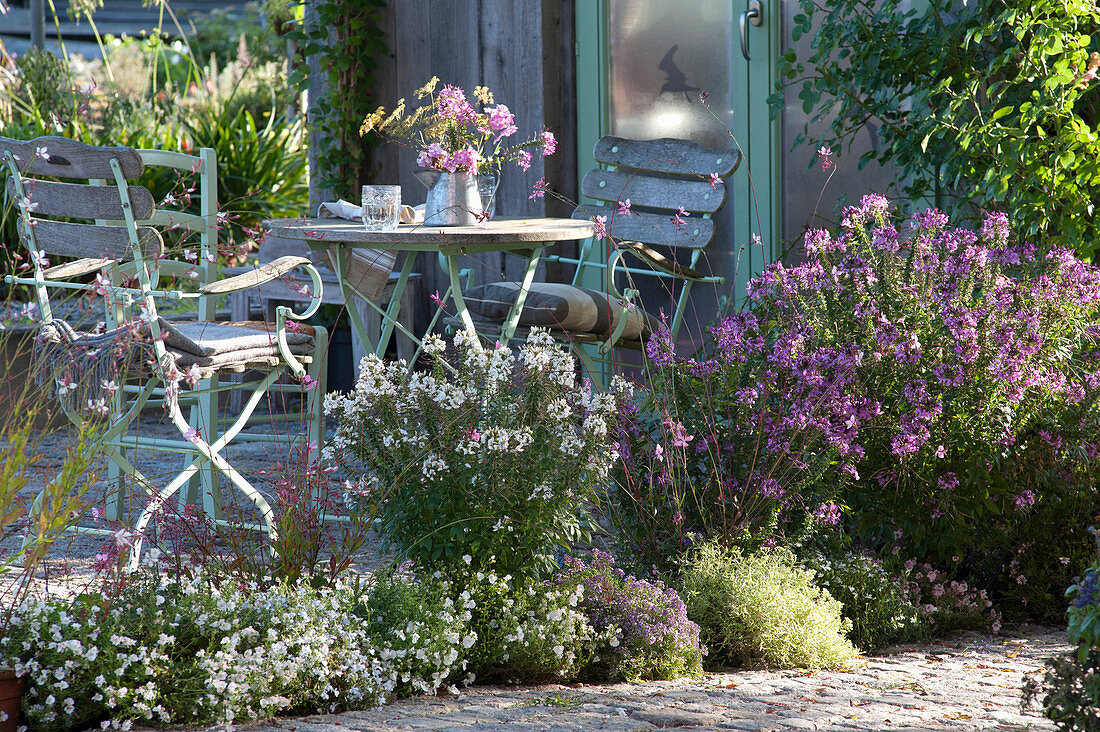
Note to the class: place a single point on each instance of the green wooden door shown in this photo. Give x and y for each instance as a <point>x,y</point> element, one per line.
<point>641,66</point>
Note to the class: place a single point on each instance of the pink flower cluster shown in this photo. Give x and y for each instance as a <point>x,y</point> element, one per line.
<point>473,142</point>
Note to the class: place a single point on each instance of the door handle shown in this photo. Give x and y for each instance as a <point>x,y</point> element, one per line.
<point>754,15</point>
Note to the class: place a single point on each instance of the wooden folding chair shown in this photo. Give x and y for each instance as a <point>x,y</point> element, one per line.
<point>674,188</point>
<point>108,228</point>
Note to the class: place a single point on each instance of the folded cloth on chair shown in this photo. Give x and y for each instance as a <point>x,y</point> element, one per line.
<point>82,366</point>
<point>214,339</point>
<point>213,344</point>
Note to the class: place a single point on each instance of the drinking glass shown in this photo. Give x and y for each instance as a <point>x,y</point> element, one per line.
<point>381,207</point>
<point>487,188</point>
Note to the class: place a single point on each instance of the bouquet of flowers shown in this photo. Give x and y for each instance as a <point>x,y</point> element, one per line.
<point>451,135</point>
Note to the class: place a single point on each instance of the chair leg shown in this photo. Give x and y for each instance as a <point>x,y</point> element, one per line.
<point>318,371</point>
<point>239,311</point>
<point>115,510</point>
<point>373,321</point>
<point>204,488</point>
<point>210,453</point>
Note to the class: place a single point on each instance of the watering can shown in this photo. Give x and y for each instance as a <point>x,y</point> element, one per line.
<point>453,199</point>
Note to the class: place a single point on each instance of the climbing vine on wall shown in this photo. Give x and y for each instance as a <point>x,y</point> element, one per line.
<point>348,40</point>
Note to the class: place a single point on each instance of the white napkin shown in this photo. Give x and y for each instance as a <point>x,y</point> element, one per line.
<point>347,210</point>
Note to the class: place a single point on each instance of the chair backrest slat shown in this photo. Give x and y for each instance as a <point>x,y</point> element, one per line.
<point>679,157</point>
<point>92,241</point>
<point>82,201</point>
<point>696,196</point>
<point>648,228</point>
<point>65,158</point>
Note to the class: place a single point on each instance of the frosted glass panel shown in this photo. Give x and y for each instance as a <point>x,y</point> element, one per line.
<point>663,53</point>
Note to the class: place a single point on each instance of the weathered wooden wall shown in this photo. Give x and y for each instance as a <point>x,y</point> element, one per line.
<point>523,50</point>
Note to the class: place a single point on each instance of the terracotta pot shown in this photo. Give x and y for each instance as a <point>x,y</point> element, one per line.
<point>11,694</point>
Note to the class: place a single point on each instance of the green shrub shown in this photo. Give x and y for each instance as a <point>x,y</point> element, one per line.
<point>651,636</point>
<point>527,632</point>
<point>1072,682</point>
<point>762,607</point>
<point>1072,697</point>
<point>490,467</point>
<point>1005,121</point>
<point>418,631</point>
<point>165,651</point>
<point>875,600</point>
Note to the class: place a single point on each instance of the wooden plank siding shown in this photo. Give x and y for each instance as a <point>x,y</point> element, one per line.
<point>523,50</point>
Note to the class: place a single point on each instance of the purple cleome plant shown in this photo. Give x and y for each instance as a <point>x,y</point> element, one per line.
<point>938,381</point>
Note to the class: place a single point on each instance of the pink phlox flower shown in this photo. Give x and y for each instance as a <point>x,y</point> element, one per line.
<point>824,154</point>
<point>466,160</point>
<point>308,382</point>
<point>453,105</point>
<point>191,434</point>
<point>293,325</point>
<point>431,156</point>
<point>658,453</point>
<point>549,143</point>
<point>539,190</point>
<point>471,434</point>
<point>524,160</point>
<point>599,225</point>
<point>502,120</point>
<point>624,207</point>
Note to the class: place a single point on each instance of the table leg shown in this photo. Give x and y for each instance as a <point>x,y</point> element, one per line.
<point>456,293</point>
<point>510,323</point>
<point>389,316</point>
<point>389,319</point>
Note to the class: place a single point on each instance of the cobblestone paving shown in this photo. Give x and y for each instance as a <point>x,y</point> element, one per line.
<point>971,682</point>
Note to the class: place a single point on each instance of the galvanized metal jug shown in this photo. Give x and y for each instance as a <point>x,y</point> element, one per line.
<point>453,199</point>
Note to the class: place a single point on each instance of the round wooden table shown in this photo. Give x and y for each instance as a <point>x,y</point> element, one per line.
<point>340,237</point>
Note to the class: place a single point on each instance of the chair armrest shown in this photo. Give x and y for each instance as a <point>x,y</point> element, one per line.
<point>262,273</point>
<point>75,268</point>
<point>659,261</point>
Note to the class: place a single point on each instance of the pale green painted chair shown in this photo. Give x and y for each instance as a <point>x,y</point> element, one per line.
<point>601,309</point>
<point>109,228</point>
